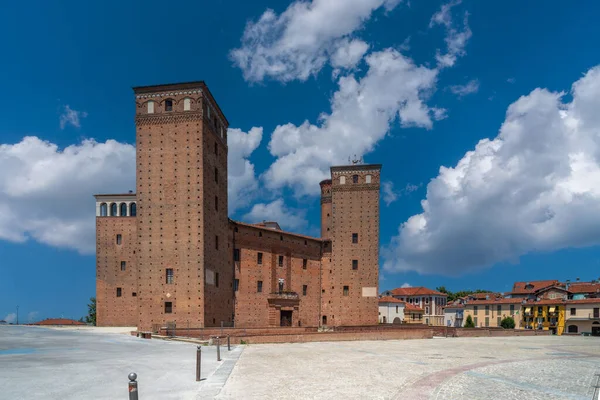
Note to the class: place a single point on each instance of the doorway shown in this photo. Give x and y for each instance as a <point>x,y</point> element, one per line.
<point>596,329</point>
<point>285,318</point>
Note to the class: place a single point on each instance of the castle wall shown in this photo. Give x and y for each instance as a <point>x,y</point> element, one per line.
<point>113,310</point>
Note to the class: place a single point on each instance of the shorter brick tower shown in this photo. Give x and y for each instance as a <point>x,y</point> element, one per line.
<point>354,232</point>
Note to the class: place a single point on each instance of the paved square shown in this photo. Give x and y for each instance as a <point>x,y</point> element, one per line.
<point>539,367</point>
<point>41,363</point>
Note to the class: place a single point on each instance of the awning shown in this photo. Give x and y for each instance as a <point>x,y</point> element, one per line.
<point>551,309</point>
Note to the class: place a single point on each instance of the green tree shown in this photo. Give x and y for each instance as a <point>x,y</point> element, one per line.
<point>507,323</point>
<point>469,322</point>
<point>91,317</point>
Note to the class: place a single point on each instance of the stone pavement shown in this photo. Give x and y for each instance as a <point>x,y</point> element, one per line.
<point>539,367</point>
<point>40,363</point>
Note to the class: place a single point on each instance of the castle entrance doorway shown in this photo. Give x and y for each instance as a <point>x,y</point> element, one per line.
<point>285,318</point>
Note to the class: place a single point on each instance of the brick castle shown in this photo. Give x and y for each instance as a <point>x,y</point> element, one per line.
<point>169,254</point>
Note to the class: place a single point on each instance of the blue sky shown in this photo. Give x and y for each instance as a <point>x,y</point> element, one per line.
<point>414,86</point>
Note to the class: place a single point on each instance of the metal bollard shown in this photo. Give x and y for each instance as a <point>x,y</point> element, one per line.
<point>133,386</point>
<point>218,349</point>
<point>198,363</point>
<point>228,343</point>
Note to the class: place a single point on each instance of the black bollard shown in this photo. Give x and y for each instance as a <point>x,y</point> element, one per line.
<point>198,363</point>
<point>228,343</point>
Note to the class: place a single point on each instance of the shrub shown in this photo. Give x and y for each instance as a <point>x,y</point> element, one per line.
<point>469,322</point>
<point>507,323</point>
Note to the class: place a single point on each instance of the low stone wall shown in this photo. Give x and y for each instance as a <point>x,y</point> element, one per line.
<point>301,335</point>
<point>486,332</point>
<point>207,333</point>
<point>395,334</point>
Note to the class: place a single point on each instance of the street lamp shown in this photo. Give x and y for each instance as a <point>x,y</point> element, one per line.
<point>17,315</point>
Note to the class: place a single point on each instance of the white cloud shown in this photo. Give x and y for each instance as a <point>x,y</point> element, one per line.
<point>32,316</point>
<point>71,117</point>
<point>456,39</point>
<point>534,188</point>
<point>242,183</point>
<point>11,318</point>
<point>394,88</point>
<point>406,285</point>
<point>349,53</point>
<point>462,90</point>
<point>298,43</point>
<point>288,219</point>
<point>389,195</point>
<point>46,193</point>
<point>511,80</point>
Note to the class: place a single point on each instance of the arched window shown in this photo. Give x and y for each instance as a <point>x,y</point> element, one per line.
<point>132,210</point>
<point>572,328</point>
<point>342,180</point>
<point>123,209</point>
<point>150,107</point>
<point>354,178</point>
<point>103,210</point>
<point>187,104</point>
<point>113,210</point>
<point>368,179</point>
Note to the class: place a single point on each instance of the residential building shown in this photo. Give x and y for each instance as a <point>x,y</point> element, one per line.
<point>413,314</point>
<point>490,312</point>
<point>544,314</point>
<point>583,316</point>
<point>391,310</point>
<point>430,301</point>
<point>454,315</point>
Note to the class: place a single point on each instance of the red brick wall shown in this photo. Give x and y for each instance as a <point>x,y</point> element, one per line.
<point>110,309</point>
<point>355,209</point>
<point>300,335</point>
<point>220,307</point>
<point>255,309</point>
<point>175,192</point>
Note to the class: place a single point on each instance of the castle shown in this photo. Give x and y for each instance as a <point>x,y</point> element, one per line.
<point>169,254</point>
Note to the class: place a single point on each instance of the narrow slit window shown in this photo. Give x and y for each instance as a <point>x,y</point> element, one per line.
<point>259,287</point>
<point>259,257</point>
<point>119,292</point>
<point>346,290</point>
<point>281,261</point>
<point>168,307</point>
<point>168,105</point>
<point>123,265</point>
<point>119,238</point>
<point>169,275</point>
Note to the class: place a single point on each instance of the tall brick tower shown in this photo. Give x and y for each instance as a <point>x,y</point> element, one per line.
<point>182,225</point>
<point>351,294</point>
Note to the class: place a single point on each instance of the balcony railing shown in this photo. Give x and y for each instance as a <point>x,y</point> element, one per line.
<point>285,295</point>
<point>580,317</point>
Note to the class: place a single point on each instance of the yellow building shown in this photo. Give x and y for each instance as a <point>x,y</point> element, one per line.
<point>546,314</point>
<point>490,312</point>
